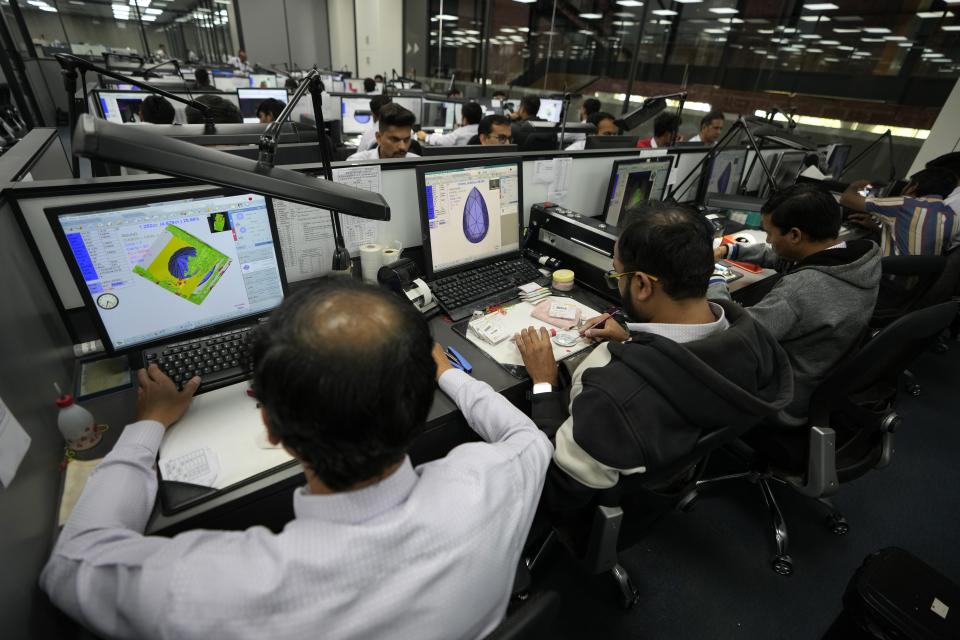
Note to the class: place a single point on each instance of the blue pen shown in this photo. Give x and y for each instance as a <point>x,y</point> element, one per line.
<point>457,360</point>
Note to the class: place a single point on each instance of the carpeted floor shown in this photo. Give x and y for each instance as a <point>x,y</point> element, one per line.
<point>706,574</point>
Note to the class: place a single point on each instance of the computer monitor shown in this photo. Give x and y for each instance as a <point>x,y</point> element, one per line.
<point>687,165</point>
<point>413,105</point>
<point>837,159</point>
<point>550,109</point>
<point>789,168</point>
<point>121,106</point>
<point>757,179</point>
<point>250,99</point>
<point>163,268</point>
<point>224,83</point>
<point>439,114</point>
<point>725,171</point>
<point>470,214</point>
<point>473,149</point>
<point>634,182</point>
<point>263,81</point>
<point>355,114</point>
<point>612,142</point>
<point>355,85</point>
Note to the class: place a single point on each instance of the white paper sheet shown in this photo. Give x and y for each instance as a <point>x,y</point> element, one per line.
<point>14,443</point>
<point>560,181</point>
<point>306,233</point>
<point>543,171</point>
<point>517,317</point>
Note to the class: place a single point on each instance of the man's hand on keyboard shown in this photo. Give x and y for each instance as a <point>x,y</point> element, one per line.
<point>159,399</point>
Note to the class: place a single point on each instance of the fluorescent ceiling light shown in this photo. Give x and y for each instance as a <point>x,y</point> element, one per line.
<point>508,29</point>
<point>440,16</point>
<point>951,27</point>
<point>845,48</point>
<point>934,14</point>
<point>871,40</point>
<point>525,1</point>
<point>876,30</point>
<point>629,3</point>
<point>523,29</point>
<point>809,36</point>
<point>714,31</point>
<point>664,12</point>
<point>153,12</point>
<point>724,10</point>
<point>814,50</point>
<point>591,16</point>
<point>854,30</point>
<point>730,20</point>
<point>815,18</point>
<point>765,31</point>
<point>820,6</point>
<point>685,1</point>
<point>831,43</point>
<point>904,44</point>
<point>831,59</point>
<point>585,32</point>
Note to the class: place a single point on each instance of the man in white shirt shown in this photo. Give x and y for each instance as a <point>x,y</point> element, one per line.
<point>369,137</point>
<point>344,374</point>
<point>471,114</point>
<point>394,135</point>
<point>711,128</point>
<point>606,125</point>
<point>239,62</point>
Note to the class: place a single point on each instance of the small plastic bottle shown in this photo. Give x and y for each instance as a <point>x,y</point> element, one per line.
<point>76,424</point>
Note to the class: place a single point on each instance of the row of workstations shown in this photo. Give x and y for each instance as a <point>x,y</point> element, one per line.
<point>352,109</point>
<point>599,184</point>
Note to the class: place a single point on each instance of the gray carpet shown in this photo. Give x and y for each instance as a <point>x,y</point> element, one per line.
<point>706,574</point>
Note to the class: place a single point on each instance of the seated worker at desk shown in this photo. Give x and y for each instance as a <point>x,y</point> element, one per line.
<point>916,223</point>
<point>345,375</point>
<point>269,110</point>
<point>471,114</point>
<point>528,110</point>
<point>393,135</point>
<point>222,111</point>
<point>711,128</point>
<point>666,127</point>
<point>606,125</point>
<point>493,129</point>
<point>202,76</point>
<point>826,290</point>
<point>682,366</point>
<point>369,137</point>
<point>157,110</point>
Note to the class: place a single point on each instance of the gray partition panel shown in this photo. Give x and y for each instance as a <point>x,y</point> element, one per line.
<point>35,352</point>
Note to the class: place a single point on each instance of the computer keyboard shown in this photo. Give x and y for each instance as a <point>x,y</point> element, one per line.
<point>463,293</point>
<point>220,359</point>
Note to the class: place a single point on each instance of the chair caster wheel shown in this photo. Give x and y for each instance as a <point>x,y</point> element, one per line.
<point>838,525</point>
<point>782,565</point>
<point>913,390</point>
<point>629,594</point>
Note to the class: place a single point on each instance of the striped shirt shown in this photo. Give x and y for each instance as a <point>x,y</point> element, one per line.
<point>914,226</point>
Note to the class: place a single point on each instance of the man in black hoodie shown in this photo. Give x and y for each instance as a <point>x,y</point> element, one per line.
<point>827,289</point>
<point>683,367</point>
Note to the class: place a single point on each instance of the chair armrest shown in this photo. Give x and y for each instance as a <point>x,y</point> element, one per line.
<point>821,480</point>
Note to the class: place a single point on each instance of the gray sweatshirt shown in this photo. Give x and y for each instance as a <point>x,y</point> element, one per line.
<point>817,310</point>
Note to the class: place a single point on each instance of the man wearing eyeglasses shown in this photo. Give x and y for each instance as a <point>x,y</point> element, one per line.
<point>494,129</point>
<point>679,368</point>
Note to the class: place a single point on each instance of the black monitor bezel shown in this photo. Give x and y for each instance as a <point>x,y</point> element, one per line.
<point>53,215</point>
<point>429,271</point>
<point>606,142</point>
<point>613,174</point>
<point>473,149</point>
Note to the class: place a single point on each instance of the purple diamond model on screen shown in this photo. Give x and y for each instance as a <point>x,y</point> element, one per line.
<point>476,220</point>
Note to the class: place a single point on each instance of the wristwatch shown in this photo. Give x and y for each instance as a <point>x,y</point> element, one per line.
<point>542,387</point>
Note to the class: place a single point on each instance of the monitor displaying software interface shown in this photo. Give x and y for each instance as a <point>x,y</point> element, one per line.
<point>353,122</point>
<point>156,270</point>
<point>633,182</point>
<point>250,99</point>
<point>440,114</point>
<point>726,171</point>
<point>470,213</point>
<point>122,107</point>
<point>550,109</point>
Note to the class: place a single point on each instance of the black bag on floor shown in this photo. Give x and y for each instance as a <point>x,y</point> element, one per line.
<point>896,596</point>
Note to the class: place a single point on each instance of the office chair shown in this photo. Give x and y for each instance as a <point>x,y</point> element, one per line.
<point>532,619</point>
<point>849,429</point>
<point>623,513</point>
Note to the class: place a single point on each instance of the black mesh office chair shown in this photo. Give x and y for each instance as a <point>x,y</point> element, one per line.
<point>622,514</point>
<point>532,619</point>
<point>850,427</point>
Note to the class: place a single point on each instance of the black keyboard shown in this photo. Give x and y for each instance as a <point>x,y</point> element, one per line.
<point>463,293</point>
<point>220,359</point>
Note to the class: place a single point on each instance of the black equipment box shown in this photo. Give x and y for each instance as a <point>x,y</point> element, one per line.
<point>896,596</point>
<point>580,243</point>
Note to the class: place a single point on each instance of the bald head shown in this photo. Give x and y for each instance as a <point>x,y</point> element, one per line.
<point>345,376</point>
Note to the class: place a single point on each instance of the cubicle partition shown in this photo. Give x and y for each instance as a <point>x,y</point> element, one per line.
<point>39,155</point>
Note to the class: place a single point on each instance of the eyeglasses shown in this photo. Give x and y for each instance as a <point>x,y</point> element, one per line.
<point>612,278</point>
<point>502,139</point>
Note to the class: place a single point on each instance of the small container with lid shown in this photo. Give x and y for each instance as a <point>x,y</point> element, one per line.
<point>563,280</point>
<point>76,423</point>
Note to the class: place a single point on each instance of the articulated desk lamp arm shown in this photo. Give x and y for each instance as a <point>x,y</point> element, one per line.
<point>739,125</point>
<point>650,108</point>
<point>888,135</point>
<point>268,152</point>
<point>70,65</point>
